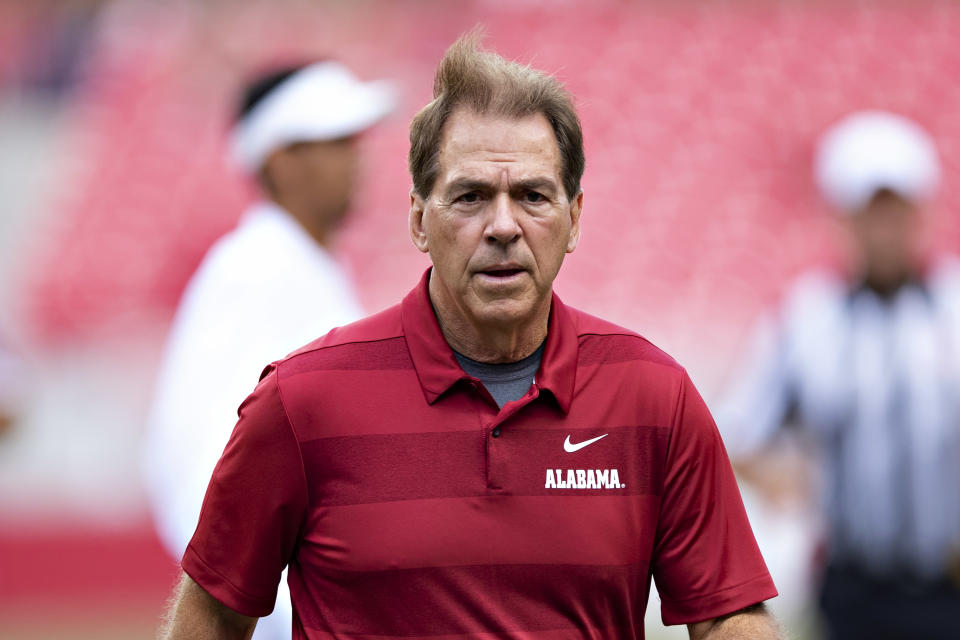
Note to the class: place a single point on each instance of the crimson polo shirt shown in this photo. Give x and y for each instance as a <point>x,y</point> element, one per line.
<point>408,505</point>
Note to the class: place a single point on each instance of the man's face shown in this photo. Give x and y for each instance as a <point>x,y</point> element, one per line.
<point>886,233</point>
<point>498,221</point>
<point>317,177</point>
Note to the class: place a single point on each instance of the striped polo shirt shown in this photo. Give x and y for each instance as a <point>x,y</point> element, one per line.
<point>408,505</point>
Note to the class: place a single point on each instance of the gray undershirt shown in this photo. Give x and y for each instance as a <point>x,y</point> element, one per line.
<point>507,381</point>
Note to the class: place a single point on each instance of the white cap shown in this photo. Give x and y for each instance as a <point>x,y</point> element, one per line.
<point>873,150</point>
<point>323,101</point>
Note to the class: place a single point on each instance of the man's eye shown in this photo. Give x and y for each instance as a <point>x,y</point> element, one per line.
<point>469,198</point>
<point>534,197</point>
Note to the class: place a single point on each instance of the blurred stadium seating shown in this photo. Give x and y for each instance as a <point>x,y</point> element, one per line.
<point>699,121</point>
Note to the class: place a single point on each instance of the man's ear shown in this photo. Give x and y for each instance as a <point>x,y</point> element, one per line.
<point>275,172</point>
<point>576,206</point>
<point>417,232</point>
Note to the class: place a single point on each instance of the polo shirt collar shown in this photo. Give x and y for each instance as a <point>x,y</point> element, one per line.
<point>438,369</point>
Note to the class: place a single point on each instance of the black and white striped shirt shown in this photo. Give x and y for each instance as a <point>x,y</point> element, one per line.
<point>877,382</point>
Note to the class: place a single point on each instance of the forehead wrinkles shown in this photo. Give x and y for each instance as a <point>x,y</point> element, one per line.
<point>462,154</point>
<point>500,170</point>
<point>470,138</point>
<point>500,146</point>
<point>495,176</point>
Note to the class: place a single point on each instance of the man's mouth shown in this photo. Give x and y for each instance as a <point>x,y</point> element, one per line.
<point>501,273</point>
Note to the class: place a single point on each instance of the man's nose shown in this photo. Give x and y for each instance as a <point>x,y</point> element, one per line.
<point>502,225</point>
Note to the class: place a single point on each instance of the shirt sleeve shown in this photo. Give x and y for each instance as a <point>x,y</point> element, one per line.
<point>755,406</point>
<point>254,508</point>
<point>706,561</point>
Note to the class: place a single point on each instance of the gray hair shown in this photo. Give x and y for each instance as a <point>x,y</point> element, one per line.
<point>486,83</point>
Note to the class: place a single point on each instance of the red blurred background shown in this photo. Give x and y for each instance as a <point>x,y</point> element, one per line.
<point>699,118</point>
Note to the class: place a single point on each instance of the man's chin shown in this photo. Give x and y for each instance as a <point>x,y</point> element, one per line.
<point>504,311</point>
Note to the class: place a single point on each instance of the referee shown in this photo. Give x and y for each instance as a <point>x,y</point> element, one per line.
<point>865,363</point>
<point>481,460</point>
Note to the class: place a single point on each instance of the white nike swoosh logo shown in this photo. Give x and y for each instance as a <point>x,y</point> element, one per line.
<point>569,447</point>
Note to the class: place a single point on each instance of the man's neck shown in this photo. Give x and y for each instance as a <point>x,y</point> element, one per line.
<point>887,284</point>
<point>496,346</point>
<point>493,343</point>
<point>319,234</point>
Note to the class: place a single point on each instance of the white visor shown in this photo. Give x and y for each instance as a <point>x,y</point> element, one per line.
<point>323,101</point>
<point>873,150</point>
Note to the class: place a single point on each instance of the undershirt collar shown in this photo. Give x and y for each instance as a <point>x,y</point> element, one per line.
<point>506,381</point>
<point>437,367</point>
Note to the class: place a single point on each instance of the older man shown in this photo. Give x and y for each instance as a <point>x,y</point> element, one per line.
<point>481,460</point>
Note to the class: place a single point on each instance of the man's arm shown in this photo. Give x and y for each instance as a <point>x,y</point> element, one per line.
<point>196,615</point>
<point>753,623</point>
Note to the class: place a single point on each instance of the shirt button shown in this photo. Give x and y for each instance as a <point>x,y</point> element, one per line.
<point>496,432</point>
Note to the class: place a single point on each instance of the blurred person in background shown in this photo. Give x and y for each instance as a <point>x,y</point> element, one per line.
<point>867,365</point>
<point>263,289</point>
<point>12,388</point>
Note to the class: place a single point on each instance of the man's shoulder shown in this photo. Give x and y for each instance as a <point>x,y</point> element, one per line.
<point>814,297</point>
<point>944,274</point>
<point>234,260</point>
<point>943,282</point>
<point>815,286</point>
<point>370,343</point>
<point>604,342</point>
<point>266,241</point>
